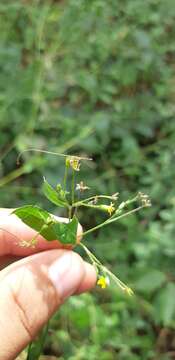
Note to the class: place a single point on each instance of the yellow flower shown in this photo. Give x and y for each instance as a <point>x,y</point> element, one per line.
<point>103,282</point>
<point>109,208</point>
<point>73,162</point>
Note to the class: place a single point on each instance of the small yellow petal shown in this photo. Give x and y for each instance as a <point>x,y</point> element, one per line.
<point>102,281</point>
<point>111,208</point>
<point>73,162</point>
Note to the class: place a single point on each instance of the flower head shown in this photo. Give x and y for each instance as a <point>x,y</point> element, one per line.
<point>103,281</point>
<point>73,162</point>
<point>111,208</point>
<point>145,201</point>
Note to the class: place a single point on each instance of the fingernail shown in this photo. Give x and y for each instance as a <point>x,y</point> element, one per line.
<point>62,273</point>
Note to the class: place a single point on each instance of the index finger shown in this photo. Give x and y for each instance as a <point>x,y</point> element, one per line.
<point>13,232</point>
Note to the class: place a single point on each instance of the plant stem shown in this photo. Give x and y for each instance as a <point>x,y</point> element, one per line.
<point>65,177</point>
<point>126,214</point>
<point>14,175</point>
<point>73,185</point>
<point>115,278</point>
<point>109,221</point>
<point>91,255</point>
<point>122,206</point>
<point>51,153</point>
<point>36,347</point>
<point>79,203</point>
<point>97,264</point>
<point>87,205</point>
<point>70,213</point>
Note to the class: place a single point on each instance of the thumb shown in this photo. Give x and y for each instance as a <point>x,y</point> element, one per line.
<point>32,290</point>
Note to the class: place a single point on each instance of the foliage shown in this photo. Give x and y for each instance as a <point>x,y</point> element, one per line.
<point>45,225</point>
<point>97,78</point>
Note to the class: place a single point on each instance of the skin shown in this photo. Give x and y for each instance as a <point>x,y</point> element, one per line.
<point>33,282</point>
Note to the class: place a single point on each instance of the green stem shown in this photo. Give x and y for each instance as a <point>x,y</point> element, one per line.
<point>109,221</point>
<point>114,278</point>
<point>103,269</point>
<point>35,349</point>
<point>70,213</point>
<point>92,257</point>
<point>29,351</point>
<point>50,153</point>
<point>14,175</point>
<point>95,262</point>
<point>123,205</point>
<point>34,239</point>
<point>73,185</point>
<point>126,214</point>
<point>65,177</point>
<point>88,205</point>
<point>79,203</point>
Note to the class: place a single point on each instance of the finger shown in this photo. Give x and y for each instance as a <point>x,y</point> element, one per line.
<point>86,284</point>
<point>7,260</point>
<point>13,231</point>
<point>31,291</point>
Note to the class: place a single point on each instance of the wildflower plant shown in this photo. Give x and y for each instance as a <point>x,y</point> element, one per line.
<point>71,198</point>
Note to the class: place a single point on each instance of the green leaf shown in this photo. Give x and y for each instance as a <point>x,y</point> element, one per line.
<point>56,197</point>
<point>71,231</point>
<point>66,233</point>
<point>41,221</point>
<point>33,216</point>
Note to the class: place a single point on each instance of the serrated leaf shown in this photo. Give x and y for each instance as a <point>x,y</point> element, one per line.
<point>41,221</point>
<point>56,197</point>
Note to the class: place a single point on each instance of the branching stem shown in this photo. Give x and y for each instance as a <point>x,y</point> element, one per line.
<point>82,202</point>
<point>113,219</point>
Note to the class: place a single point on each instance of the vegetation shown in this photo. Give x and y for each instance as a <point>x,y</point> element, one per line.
<point>96,78</point>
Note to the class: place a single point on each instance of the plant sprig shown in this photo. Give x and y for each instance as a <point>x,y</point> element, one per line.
<point>48,226</point>
<point>66,197</point>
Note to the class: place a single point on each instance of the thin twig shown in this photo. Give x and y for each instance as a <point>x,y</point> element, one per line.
<point>109,221</point>
<point>50,153</point>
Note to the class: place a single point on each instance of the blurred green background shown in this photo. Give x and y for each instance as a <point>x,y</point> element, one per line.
<point>97,78</point>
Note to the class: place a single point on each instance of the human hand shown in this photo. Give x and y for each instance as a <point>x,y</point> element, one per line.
<point>33,288</point>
